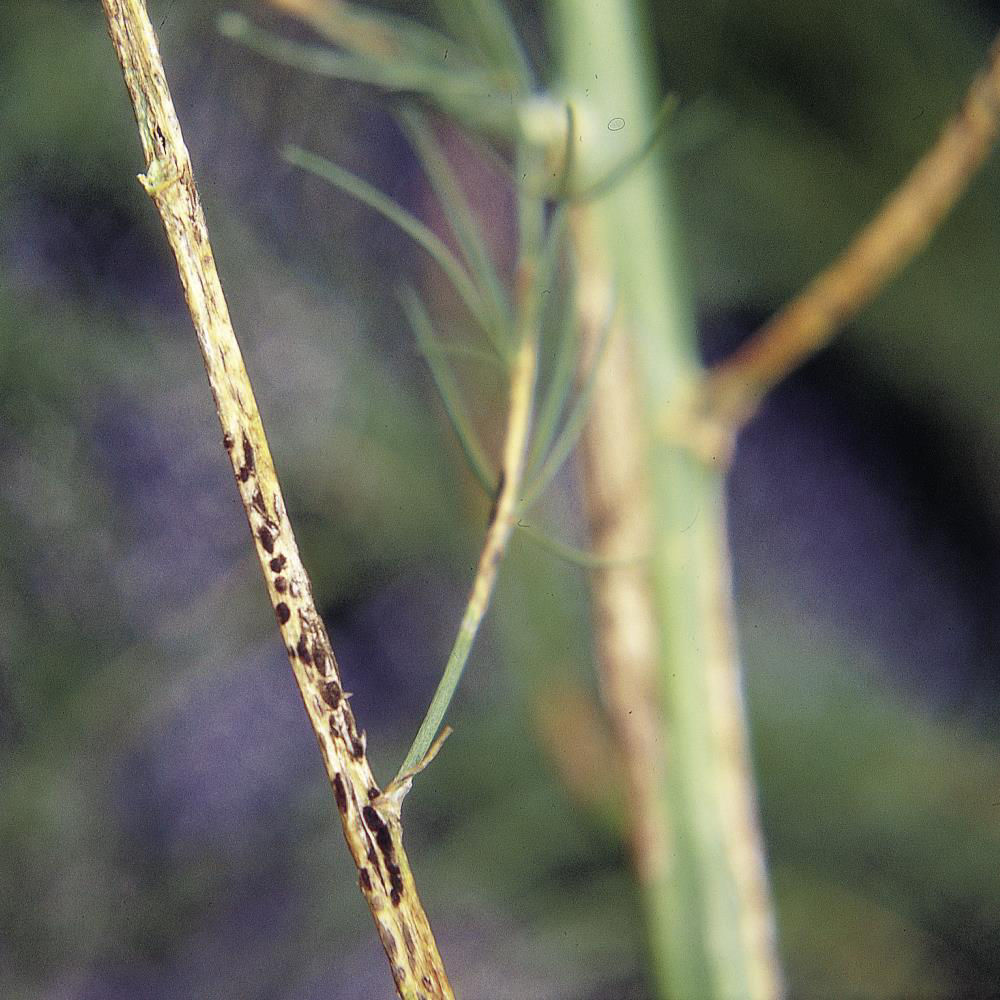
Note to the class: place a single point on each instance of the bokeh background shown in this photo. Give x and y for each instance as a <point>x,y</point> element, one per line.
<point>165,827</point>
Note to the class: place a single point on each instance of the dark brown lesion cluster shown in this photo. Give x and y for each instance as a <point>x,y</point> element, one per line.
<point>248,467</point>
<point>312,648</point>
<point>307,642</point>
<point>383,838</point>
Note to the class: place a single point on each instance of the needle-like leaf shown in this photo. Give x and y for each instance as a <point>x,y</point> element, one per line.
<point>486,25</point>
<point>404,72</point>
<point>572,554</point>
<point>559,384</point>
<point>409,223</point>
<point>464,225</point>
<point>466,351</point>
<point>571,429</point>
<point>447,386</point>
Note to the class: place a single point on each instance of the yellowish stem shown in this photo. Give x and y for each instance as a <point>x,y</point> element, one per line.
<point>371,824</point>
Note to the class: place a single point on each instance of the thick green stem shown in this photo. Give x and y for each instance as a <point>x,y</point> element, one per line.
<point>665,633</point>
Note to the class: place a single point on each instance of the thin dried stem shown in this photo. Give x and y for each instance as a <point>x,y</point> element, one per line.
<point>898,232</point>
<point>370,822</point>
<point>503,520</point>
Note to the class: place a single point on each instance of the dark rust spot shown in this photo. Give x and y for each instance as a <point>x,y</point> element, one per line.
<point>291,652</point>
<point>357,748</point>
<point>277,564</point>
<point>331,694</point>
<point>377,825</point>
<point>372,857</point>
<point>494,558</point>
<point>266,538</point>
<point>248,458</point>
<point>258,501</point>
<point>228,440</point>
<point>396,896</point>
<point>281,610</point>
<point>340,793</point>
<point>373,821</point>
<point>384,840</point>
<point>411,948</point>
<point>501,480</point>
<point>389,943</point>
<point>280,584</point>
<point>366,880</point>
<point>373,793</point>
<point>303,650</point>
<point>396,881</point>
<point>320,658</point>
<point>244,474</point>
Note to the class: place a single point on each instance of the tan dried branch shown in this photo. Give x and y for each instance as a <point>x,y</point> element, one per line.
<point>903,226</point>
<point>371,824</point>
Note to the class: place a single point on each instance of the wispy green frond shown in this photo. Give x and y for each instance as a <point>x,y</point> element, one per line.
<point>570,553</point>
<point>466,351</point>
<point>402,74</point>
<point>395,213</point>
<point>557,391</point>
<point>464,225</point>
<point>541,250</point>
<point>500,39</point>
<point>447,386</point>
<point>575,420</point>
<point>477,97</point>
<point>486,25</point>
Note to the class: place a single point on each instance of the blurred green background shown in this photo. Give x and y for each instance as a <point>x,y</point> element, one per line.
<point>165,827</point>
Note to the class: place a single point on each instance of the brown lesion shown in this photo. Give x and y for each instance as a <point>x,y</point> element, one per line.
<point>302,649</point>
<point>339,793</point>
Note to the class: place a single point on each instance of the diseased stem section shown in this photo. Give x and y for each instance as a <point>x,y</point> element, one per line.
<point>902,227</point>
<point>670,671</point>
<point>370,822</point>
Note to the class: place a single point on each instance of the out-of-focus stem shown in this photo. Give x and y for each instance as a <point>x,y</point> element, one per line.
<point>370,821</point>
<point>665,634</point>
<point>902,227</point>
